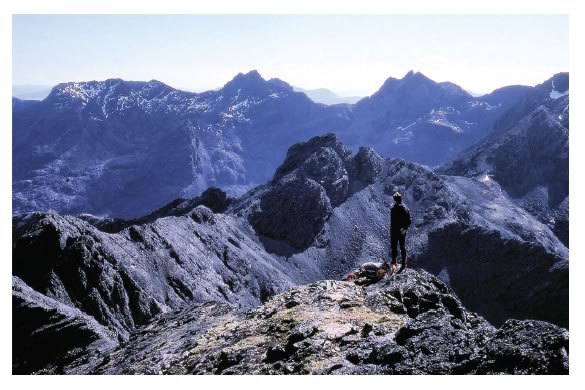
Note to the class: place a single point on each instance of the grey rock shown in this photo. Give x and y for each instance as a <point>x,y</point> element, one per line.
<point>125,279</point>
<point>48,335</point>
<point>293,211</point>
<point>522,347</point>
<point>367,165</point>
<point>319,336</point>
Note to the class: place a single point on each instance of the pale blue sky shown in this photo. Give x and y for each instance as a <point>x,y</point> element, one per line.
<point>351,55</point>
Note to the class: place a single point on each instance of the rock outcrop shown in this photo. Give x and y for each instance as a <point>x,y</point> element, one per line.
<point>316,176</point>
<point>47,334</point>
<point>410,323</point>
<point>293,211</point>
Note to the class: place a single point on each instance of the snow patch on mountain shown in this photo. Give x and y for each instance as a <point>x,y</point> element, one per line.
<point>554,94</point>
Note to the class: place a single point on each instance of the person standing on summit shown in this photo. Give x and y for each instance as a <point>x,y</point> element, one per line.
<point>399,223</point>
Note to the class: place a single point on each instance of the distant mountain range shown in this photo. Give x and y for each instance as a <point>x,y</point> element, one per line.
<point>123,148</point>
<point>31,92</point>
<point>319,95</point>
<point>325,96</point>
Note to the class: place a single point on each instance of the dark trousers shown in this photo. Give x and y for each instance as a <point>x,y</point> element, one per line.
<point>395,239</point>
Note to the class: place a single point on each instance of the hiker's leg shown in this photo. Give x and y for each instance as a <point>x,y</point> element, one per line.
<point>402,241</point>
<point>394,247</point>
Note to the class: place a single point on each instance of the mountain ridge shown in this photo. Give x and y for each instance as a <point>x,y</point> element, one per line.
<point>107,139</point>
<point>527,154</point>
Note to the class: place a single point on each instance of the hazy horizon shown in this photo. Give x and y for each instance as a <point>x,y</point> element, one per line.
<point>349,55</point>
<point>37,92</point>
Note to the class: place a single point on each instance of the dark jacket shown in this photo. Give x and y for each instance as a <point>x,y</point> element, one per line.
<point>399,218</point>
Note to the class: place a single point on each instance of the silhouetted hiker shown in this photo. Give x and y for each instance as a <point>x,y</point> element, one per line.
<point>399,223</point>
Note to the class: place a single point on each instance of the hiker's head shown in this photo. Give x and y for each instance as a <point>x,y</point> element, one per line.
<point>397,197</point>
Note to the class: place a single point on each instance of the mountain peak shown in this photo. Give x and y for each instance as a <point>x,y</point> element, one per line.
<point>560,82</point>
<point>413,76</point>
<point>87,90</point>
<point>253,84</point>
<point>409,74</point>
<point>413,89</point>
<point>254,74</point>
<point>246,81</point>
<point>156,83</point>
<point>251,76</point>
<point>82,91</point>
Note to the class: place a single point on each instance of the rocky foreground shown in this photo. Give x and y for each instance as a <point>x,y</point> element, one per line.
<point>410,323</point>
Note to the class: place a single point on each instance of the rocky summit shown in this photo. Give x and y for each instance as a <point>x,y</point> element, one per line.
<point>410,323</point>
<point>189,287</point>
